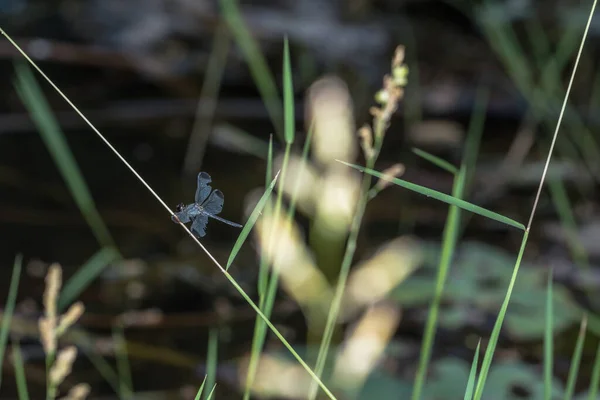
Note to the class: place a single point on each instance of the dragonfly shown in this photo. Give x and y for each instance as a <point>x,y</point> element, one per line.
<point>207,204</point>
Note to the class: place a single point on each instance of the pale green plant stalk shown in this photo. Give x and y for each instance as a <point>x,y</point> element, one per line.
<point>207,103</point>
<point>268,300</point>
<point>548,342</point>
<point>212,360</point>
<point>472,374</point>
<point>9,308</point>
<point>576,360</point>
<point>451,234</point>
<point>20,377</point>
<point>161,201</point>
<point>123,366</point>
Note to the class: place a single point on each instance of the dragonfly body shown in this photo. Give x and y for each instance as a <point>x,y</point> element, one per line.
<point>207,204</point>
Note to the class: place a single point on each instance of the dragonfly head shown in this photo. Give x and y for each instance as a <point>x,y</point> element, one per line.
<point>179,207</point>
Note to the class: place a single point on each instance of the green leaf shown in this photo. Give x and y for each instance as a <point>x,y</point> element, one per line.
<point>576,361</point>
<point>9,308</point>
<point>548,340</point>
<point>263,78</point>
<point>250,223</point>
<point>472,374</point>
<point>211,360</point>
<point>32,97</point>
<point>437,161</point>
<point>440,196</point>
<point>288,95</point>
<point>20,377</point>
<point>85,275</point>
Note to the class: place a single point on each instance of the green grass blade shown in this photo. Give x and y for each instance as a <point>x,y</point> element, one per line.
<point>201,389</point>
<point>563,207</point>
<point>491,348</point>
<point>123,366</point>
<point>211,360</point>
<point>448,247</point>
<point>20,378</point>
<point>207,101</point>
<point>212,391</point>
<point>85,275</point>
<point>476,128</point>
<point>576,361</point>
<point>595,378</point>
<point>263,267</point>
<point>263,78</point>
<point>304,160</point>
<point>269,170</point>
<point>9,308</point>
<point>32,97</point>
<point>440,196</point>
<point>472,374</point>
<point>104,368</point>
<point>548,342</point>
<point>268,300</point>
<point>288,95</point>
<point>435,160</point>
<point>251,221</point>
<point>450,238</point>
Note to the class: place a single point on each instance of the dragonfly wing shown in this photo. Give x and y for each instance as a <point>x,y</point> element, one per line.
<point>199,225</point>
<point>183,216</point>
<point>203,189</point>
<point>214,204</point>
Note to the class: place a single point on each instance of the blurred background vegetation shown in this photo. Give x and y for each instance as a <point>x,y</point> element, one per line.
<point>180,86</point>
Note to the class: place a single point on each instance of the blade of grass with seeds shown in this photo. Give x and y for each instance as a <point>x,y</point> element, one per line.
<point>472,374</point>
<point>211,359</point>
<point>226,274</point>
<point>393,92</point>
<point>437,161</point>
<point>9,308</point>
<point>440,196</point>
<point>20,377</point>
<point>576,361</point>
<point>268,300</point>
<point>32,97</point>
<point>263,78</point>
<point>549,341</point>
<point>84,276</point>
<point>449,241</point>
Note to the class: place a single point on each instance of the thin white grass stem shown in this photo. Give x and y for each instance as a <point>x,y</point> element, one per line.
<point>560,117</point>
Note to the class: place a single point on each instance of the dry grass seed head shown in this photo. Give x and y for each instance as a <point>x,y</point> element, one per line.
<point>78,392</point>
<point>63,364</point>
<point>70,317</point>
